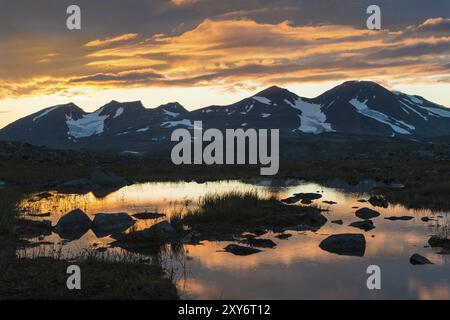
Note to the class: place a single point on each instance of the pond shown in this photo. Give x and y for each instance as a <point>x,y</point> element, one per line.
<point>296,268</point>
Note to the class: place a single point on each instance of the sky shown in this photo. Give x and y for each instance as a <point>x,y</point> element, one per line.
<point>205,52</point>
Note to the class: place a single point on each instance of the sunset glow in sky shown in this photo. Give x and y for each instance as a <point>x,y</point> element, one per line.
<point>203,52</point>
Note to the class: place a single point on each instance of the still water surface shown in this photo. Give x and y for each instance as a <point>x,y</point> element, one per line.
<point>295,269</point>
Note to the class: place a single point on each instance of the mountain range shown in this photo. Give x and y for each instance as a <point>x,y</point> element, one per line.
<point>354,108</point>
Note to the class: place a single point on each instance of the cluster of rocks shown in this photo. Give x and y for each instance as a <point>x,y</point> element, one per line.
<point>304,198</point>
<point>76,223</point>
<point>378,201</point>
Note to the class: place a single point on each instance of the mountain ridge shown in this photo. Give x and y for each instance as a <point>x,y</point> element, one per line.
<point>353,107</point>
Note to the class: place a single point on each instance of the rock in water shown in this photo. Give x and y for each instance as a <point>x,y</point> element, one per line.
<point>260,243</point>
<point>308,196</point>
<point>436,241</point>
<point>366,213</point>
<point>378,201</point>
<point>283,236</point>
<point>102,177</point>
<point>148,215</point>
<point>290,200</point>
<point>365,225</point>
<point>73,225</point>
<point>108,223</point>
<point>240,250</point>
<point>160,231</point>
<point>403,218</point>
<point>417,259</point>
<point>348,244</point>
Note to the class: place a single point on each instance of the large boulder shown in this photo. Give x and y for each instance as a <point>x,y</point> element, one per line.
<point>104,178</point>
<point>240,250</point>
<point>417,259</point>
<point>366,213</point>
<point>73,225</point>
<point>349,244</point>
<point>107,223</point>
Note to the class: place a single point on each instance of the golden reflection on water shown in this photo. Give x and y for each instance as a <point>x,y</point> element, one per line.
<point>290,269</point>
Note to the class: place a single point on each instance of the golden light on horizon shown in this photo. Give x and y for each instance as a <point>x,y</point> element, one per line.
<point>219,60</point>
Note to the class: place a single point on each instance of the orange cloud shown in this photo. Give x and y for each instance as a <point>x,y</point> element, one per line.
<point>183,2</point>
<point>103,42</point>
<point>228,53</point>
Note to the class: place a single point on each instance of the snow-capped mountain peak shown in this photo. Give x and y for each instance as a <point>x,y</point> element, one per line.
<point>353,108</point>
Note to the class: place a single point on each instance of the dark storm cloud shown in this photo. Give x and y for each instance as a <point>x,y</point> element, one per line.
<point>101,18</point>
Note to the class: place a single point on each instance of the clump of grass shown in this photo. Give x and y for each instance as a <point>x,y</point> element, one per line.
<point>176,220</point>
<point>233,206</point>
<point>247,208</point>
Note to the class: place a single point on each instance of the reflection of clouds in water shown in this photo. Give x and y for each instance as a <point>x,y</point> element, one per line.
<point>296,268</point>
<point>430,291</point>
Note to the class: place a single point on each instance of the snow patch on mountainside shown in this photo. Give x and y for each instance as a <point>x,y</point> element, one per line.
<point>413,110</point>
<point>249,108</point>
<point>170,124</point>
<point>437,112</point>
<point>119,111</point>
<point>88,125</point>
<point>170,113</point>
<point>262,100</point>
<point>363,109</point>
<point>415,99</point>
<point>44,113</point>
<point>312,119</point>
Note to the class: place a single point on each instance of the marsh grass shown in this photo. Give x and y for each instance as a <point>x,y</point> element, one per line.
<point>105,275</point>
<point>432,195</point>
<point>246,208</point>
<point>176,220</point>
<point>102,278</point>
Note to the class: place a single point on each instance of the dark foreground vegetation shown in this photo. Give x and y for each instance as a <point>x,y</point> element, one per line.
<point>424,183</point>
<point>103,277</point>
